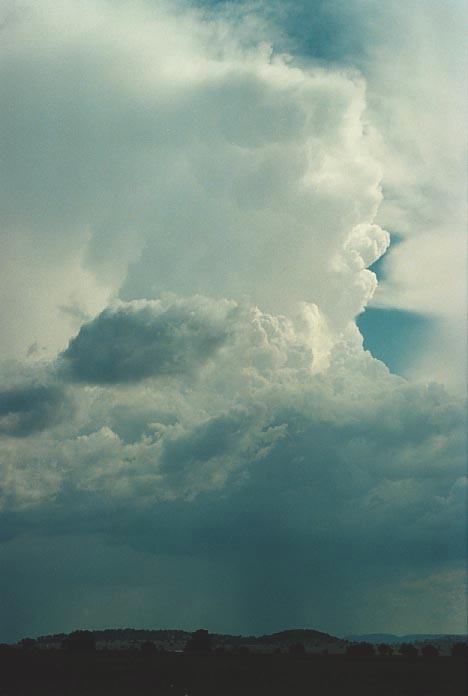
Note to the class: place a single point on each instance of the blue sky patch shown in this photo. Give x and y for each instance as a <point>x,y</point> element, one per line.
<point>394,336</point>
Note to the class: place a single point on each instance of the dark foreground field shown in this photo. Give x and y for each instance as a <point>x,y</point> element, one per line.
<point>60,674</point>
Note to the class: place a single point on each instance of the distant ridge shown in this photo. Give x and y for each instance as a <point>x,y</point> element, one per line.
<point>176,639</point>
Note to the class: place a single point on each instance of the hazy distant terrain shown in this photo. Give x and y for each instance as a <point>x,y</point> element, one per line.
<point>443,641</point>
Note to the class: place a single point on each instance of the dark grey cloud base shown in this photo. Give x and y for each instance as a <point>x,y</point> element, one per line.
<point>132,342</point>
<point>299,502</point>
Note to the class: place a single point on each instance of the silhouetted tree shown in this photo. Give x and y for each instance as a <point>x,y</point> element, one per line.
<point>297,650</point>
<point>28,643</point>
<point>200,642</point>
<point>408,650</point>
<point>80,641</point>
<point>460,650</point>
<point>429,651</point>
<point>385,649</point>
<point>360,650</point>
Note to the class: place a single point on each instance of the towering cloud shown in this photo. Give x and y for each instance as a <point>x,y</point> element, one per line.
<point>189,225</point>
<point>147,153</point>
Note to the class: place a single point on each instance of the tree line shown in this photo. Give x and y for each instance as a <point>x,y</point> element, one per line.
<point>200,642</point>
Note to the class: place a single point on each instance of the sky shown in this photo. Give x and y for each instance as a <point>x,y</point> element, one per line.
<point>233,311</point>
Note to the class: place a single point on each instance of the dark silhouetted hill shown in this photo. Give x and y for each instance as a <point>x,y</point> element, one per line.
<point>173,640</point>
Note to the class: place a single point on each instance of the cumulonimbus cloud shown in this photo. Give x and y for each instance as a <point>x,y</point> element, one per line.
<point>152,151</point>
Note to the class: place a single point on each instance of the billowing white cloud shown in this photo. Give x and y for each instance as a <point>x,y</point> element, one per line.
<point>144,148</point>
<point>413,59</point>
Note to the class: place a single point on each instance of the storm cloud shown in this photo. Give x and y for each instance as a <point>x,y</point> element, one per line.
<point>194,207</point>
<point>344,474</point>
